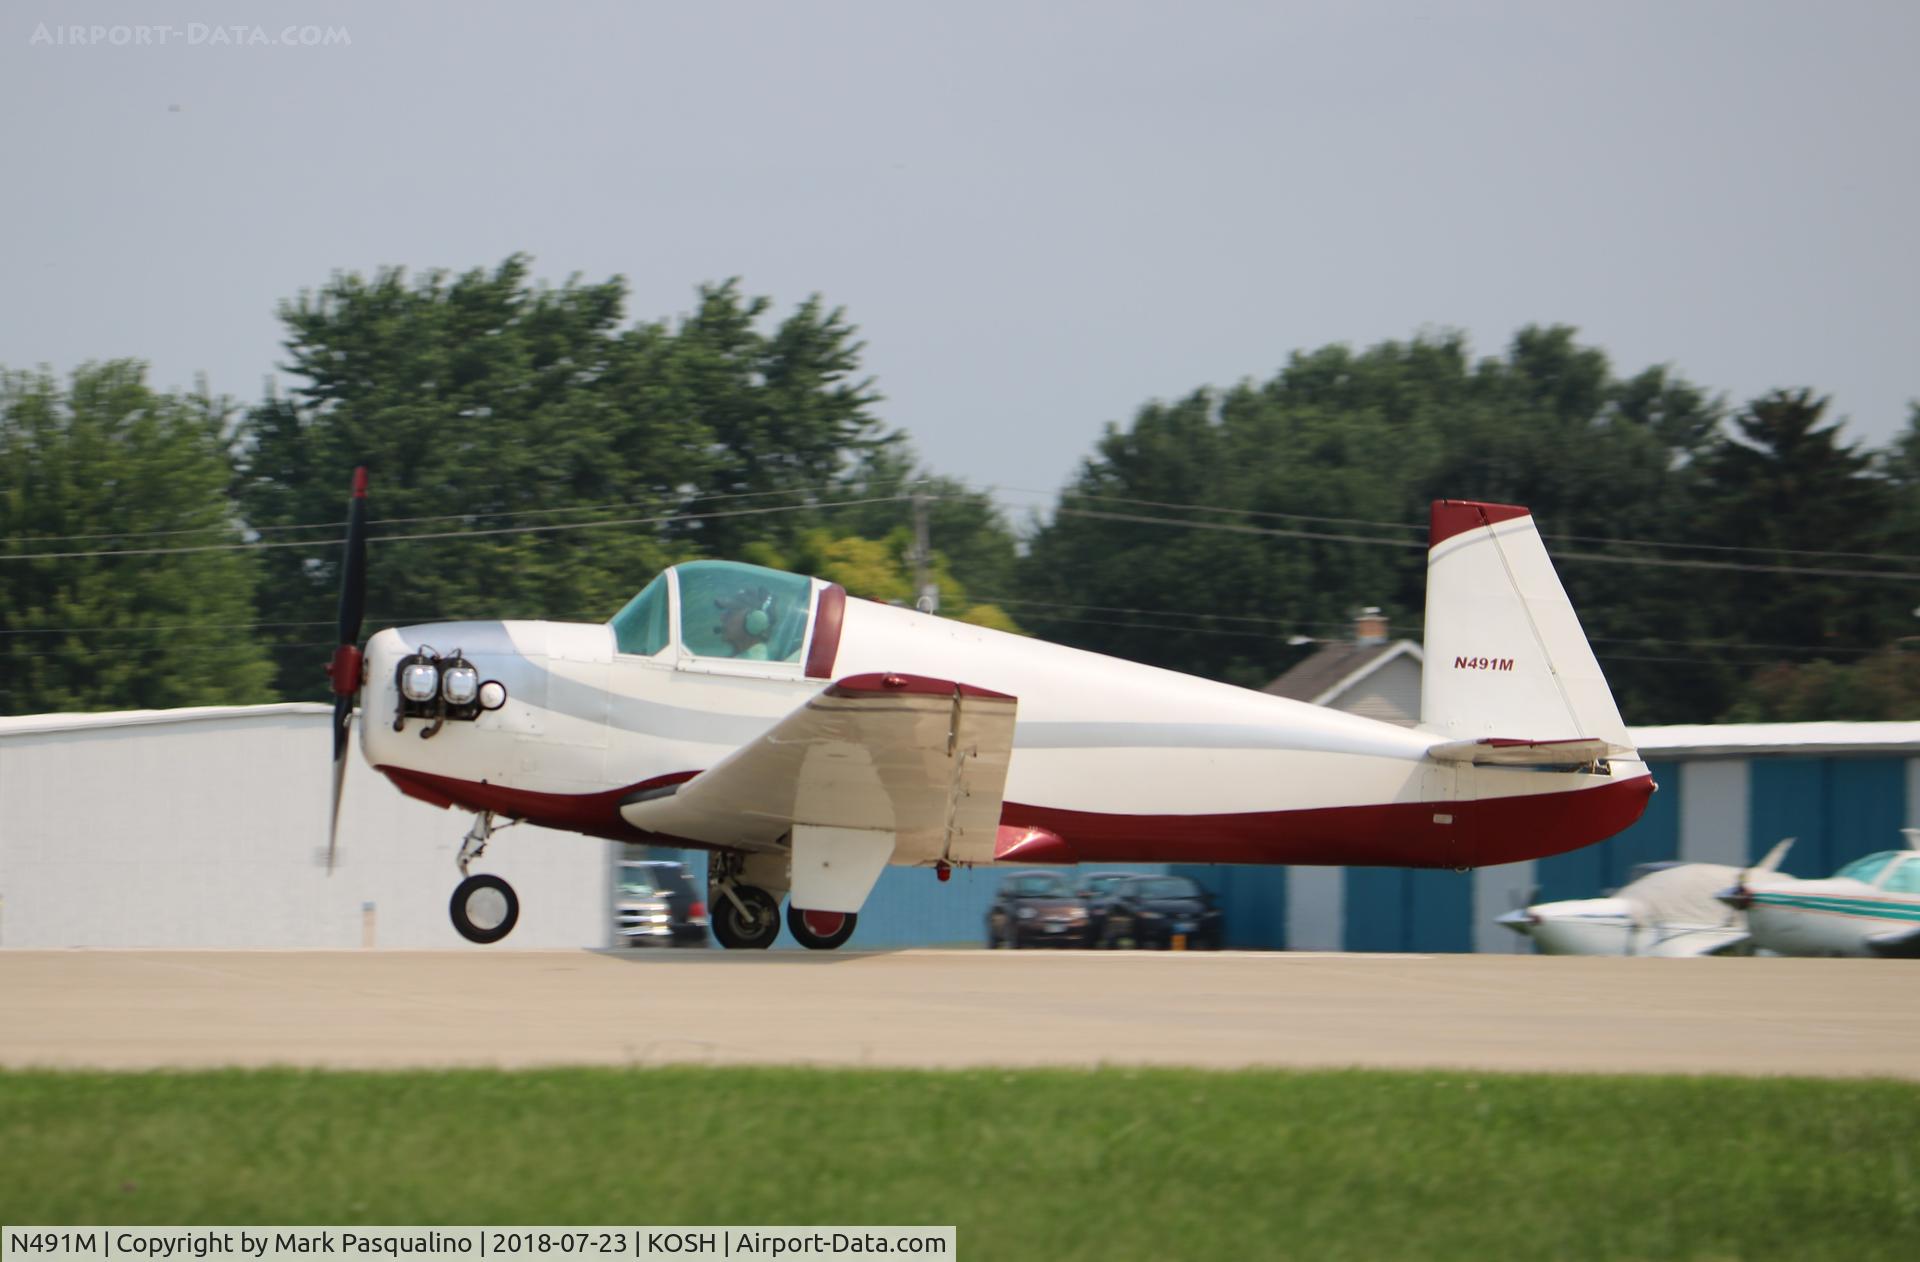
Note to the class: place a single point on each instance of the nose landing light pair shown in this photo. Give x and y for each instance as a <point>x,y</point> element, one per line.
<point>439,687</point>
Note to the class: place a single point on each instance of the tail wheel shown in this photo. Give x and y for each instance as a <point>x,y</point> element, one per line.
<point>820,930</point>
<point>484,909</point>
<point>753,930</point>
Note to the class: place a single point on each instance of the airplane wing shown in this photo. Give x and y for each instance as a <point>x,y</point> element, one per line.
<point>1692,942</point>
<point>1502,751</point>
<point>1901,944</point>
<point>918,762</point>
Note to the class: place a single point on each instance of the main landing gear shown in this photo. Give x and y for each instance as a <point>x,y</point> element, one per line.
<point>747,917</point>
<point>484,907</point>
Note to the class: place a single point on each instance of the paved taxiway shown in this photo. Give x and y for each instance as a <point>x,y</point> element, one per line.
<point>141,1009</point>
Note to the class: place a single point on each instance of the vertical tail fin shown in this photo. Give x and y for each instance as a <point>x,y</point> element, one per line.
<point>1505,655</point>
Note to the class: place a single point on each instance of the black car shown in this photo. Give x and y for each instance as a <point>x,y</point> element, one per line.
<point>1160,912</point>
<point>1099,890</point>
<point>655,903</point>
<point>1037,909</point>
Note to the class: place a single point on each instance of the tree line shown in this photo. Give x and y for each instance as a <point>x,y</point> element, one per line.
<point>536,454</point>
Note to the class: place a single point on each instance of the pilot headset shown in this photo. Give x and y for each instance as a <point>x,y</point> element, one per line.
<point>758,620</point>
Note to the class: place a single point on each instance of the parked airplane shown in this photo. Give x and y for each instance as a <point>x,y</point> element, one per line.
<point>807,740</point>
<point>1664,909</point>
<point>1869,907</point>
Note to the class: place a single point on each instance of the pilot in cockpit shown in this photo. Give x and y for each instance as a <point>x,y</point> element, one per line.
<point>746,619</point>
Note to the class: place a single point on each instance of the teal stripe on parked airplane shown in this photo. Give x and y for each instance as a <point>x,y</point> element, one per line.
<point>1879,908</point>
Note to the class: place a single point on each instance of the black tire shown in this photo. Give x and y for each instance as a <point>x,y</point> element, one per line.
<point>752,933</point>
<point>484,909</point>
<point>810,935</point>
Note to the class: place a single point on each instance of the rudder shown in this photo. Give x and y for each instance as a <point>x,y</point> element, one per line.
<point>1505,655</point>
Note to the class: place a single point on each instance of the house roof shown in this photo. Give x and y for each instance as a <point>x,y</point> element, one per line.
<point>1337,667</point>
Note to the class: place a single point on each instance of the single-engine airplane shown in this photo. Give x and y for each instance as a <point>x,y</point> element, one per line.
<point>1870,907</point>
<point>1665,910</point>
<point>807,739</point>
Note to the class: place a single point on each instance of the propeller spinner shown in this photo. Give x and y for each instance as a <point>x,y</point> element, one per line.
<point>344,670</point>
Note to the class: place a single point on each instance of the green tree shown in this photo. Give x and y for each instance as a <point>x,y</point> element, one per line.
<point>105,466</point>
<point>1884,685</point>
<point>786,413</point>
<point>497,416</point>
<point>1780,480</point>
<point>1316,485</point>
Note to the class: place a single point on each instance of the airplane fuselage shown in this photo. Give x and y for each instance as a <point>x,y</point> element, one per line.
<point>1831,917</point>
<point>1120,761</point>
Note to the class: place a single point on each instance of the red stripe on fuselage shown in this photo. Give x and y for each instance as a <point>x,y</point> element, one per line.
<point>1394,834</point>
<point>595,814</point>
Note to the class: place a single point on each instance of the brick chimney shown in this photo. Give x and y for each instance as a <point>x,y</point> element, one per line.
<point>1370,627</point>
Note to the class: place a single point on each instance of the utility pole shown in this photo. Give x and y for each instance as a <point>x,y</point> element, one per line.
<point>928,600</point>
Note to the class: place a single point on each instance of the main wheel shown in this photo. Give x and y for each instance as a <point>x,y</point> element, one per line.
<point>754,931</point>
<point>819,930</point>
<point>484,909</point>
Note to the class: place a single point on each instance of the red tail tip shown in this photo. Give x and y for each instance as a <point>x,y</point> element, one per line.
<point>1453,517</point>
<point>360,482</point>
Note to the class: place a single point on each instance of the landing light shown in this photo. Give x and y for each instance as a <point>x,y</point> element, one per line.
<point>442,688</point>
<point>420,681</point>
<point>460,685</point>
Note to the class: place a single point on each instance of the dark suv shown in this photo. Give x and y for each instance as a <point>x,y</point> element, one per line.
<point>1037,909</point>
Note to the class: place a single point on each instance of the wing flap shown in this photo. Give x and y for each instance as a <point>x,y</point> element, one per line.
<point>1501,751</point>
<point>922,759</point>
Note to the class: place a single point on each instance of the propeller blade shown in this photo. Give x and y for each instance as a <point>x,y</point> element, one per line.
<point>344,671</point>
<point>353,568</point>
<point>342,740</point>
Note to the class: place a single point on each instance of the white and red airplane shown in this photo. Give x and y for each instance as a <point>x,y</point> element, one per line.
<point>807,739</point>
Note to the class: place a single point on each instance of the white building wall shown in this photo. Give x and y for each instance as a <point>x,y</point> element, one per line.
<point>1390,694</point>
<point>1714,806</point>
<point>212,831</point>
<point>1316,909</point>
<point>1496,891</point>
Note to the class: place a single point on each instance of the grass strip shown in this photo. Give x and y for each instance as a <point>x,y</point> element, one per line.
<point>1057,1164</point>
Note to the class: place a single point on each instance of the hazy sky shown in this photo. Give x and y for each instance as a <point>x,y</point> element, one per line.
<point>1040,215</point>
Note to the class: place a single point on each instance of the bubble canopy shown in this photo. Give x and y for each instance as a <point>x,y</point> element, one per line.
<point>726,609</point>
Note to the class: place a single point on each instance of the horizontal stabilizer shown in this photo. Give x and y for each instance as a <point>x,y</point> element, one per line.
<point>1501,751</point>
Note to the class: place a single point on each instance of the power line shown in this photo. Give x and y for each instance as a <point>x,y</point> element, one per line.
<point>462,534</point>
<point>1396,525</point>
<point>1669,562</point>
<point>1065,495</point>
<point>233,527</point>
